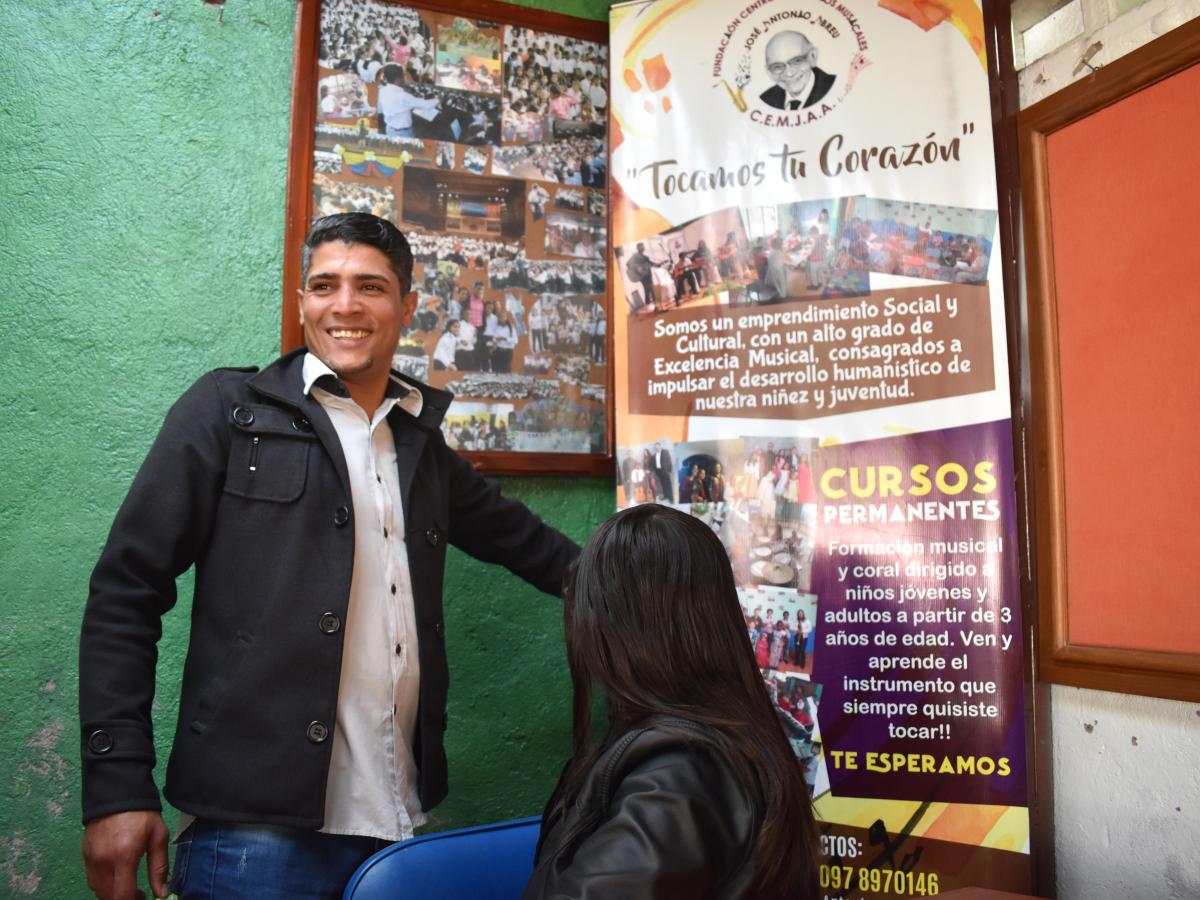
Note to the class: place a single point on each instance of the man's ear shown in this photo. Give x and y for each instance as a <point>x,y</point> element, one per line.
<point>408,306</point>
<point>300,304</point>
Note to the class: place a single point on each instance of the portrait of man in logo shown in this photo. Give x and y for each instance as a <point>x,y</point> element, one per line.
<point>791,61</point>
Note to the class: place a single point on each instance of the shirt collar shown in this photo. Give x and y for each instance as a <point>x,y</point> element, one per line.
<point>317,374</point>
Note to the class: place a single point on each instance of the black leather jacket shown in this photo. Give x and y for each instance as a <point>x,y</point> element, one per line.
<point>661,815</point>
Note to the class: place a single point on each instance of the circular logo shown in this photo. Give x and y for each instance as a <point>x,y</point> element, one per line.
<point>786,63</point>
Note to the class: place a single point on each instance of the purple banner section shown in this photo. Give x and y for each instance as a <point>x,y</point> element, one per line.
<point>920,618</point>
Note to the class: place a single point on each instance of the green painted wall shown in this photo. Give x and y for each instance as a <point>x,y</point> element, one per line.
<point>143,153</point>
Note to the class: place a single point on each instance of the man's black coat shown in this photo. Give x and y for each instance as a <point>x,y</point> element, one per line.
<point>273,547</point>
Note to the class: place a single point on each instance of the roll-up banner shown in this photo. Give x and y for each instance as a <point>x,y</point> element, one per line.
<point>810,357</point>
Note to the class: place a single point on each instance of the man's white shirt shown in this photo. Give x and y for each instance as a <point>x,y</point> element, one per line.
<point>372,784</point>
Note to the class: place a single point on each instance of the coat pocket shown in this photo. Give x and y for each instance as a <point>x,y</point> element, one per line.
<point>268,454</point>
<point>221,681</point>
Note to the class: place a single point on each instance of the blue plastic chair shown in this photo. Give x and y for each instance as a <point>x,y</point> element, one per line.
<point>488,862</point>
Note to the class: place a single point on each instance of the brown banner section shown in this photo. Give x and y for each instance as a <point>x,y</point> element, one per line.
<point>873,864</point>
<point>813,359</point>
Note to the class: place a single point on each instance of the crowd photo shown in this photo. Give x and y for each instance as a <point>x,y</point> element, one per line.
<point>481,338</point>
<point>535,276</point>
<point>330,196</point>
<point>569,198</point>
<point>565,324</point>
<point>505,386</point>
<point>430,248</point>
<point>410,357</point>
<point>557,425</point>
<point>342,96</point>
<point>474,427</point>
<point>920,240</point>
<point>362,36</point>
<point>570,162</point>
<point>359,141</point>
<point>475,160</point>
<point>573,236</point>
<point>556,80</point>
<point>468,57</point>
<point>798,251</point>
<point>326,162</point>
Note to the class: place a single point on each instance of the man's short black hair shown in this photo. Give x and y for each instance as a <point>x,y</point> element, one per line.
<point>361,228</point>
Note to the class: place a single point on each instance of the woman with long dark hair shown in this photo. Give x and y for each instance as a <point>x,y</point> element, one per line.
<point>693,791</point>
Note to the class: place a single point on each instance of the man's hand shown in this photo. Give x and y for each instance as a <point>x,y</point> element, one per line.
<point>114,845</point>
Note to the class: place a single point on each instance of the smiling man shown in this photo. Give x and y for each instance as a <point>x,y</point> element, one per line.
<point>316,499</point>
<point>791,61</point>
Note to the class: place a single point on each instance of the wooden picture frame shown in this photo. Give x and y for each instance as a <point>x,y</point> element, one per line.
<point>1062,660</point>
<point>299,210</point>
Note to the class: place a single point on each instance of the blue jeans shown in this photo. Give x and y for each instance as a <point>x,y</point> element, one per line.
<point>221,861</point>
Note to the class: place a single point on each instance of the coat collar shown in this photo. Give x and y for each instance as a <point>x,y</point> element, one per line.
<point>283,380</point>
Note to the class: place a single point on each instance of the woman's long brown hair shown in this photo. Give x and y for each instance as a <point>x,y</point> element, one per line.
<point>652,617</point>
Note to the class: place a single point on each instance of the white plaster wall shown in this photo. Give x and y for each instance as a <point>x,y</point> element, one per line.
<point>1126,768</point>
<point>1054,71</point>
<point>1126,796</point>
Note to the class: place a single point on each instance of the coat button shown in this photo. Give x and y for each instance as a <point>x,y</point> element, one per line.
<point>341,516</point>
<point>329,623</point>
<point>243,415</point>
<point>317,732</point>
<point>439,629</point>
<point>302,424</point>
<point>100,741</point>
<point>432,536</point>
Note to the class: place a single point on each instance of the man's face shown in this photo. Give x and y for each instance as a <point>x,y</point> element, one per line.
<point>352,308</point>
<point>790,61</point>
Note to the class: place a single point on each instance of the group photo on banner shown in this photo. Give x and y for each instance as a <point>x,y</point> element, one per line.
<point>810,357</point>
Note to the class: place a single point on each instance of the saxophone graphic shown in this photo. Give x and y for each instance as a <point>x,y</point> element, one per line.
<point>741,78</point>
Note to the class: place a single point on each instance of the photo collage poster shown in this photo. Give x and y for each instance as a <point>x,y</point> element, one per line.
<point>810,356</point>
<point>485,144</point>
